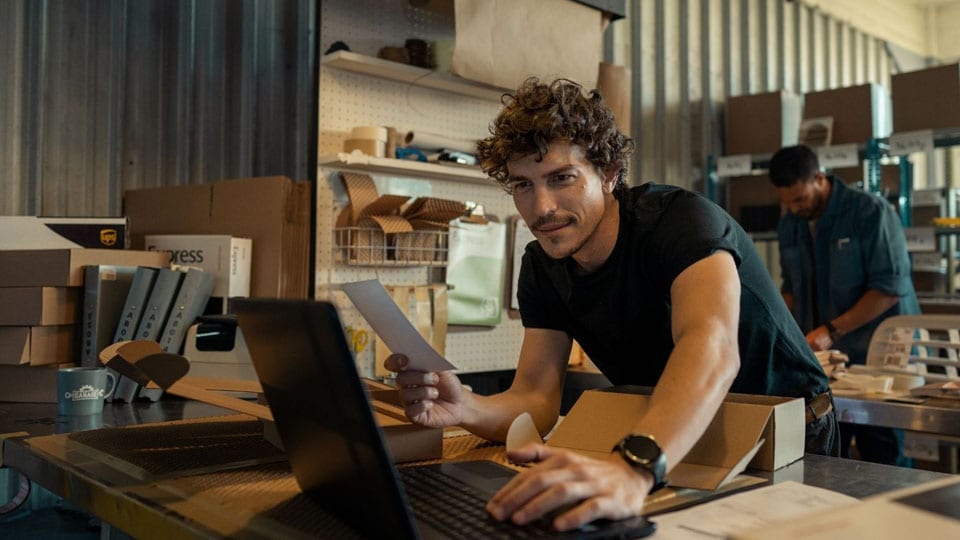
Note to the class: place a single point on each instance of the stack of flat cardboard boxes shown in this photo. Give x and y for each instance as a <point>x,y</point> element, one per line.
<point>41,292</point>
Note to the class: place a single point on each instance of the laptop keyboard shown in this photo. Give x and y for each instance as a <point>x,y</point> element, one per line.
<point>458,509</point>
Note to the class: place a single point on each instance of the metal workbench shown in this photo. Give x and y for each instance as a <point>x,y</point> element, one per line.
<point>213,478</point>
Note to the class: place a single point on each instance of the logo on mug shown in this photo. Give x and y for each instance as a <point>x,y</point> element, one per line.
<point>84,392</point>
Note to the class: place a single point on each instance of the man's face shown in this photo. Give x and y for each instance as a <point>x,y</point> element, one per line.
<point>563,198</point>
<point>807,198</point>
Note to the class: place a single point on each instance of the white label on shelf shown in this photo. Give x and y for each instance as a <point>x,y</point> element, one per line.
<point>921,239</point>
<point>926,197</point>
<point>928,262</point>
<point>841,155</point>
<point>911,142</point>
<point>734,165</point>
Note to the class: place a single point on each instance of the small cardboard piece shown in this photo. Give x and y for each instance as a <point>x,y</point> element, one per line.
<point>761,432</point>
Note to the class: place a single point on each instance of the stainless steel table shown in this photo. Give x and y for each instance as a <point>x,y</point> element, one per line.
<point>933,416</point>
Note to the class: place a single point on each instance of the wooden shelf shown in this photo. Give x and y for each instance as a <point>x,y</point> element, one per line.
<point>403,167</point>
<point>416,76</point>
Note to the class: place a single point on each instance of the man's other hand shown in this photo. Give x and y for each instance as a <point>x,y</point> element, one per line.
<point>819,339</point>
<point>583,489</point>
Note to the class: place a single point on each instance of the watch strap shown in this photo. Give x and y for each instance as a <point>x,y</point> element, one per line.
<point>834,333</point>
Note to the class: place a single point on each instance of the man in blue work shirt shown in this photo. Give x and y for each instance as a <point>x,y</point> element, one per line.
<point>845,269</point>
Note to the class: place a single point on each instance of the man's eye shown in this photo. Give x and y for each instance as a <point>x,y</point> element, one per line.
<point>562,178</point>
<point>520,187</point>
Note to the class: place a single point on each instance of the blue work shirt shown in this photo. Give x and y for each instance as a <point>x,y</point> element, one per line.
<point>860,245</point>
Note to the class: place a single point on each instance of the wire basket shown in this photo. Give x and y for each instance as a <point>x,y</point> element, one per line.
<point>370,246</point>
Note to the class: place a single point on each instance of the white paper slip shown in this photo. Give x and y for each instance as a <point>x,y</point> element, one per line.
<point>376,306</point>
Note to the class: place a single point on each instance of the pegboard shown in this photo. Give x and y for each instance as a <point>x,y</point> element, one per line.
<point>350,99</point>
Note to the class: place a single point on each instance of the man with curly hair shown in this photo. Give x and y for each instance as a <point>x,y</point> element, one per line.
<point>660,287</point>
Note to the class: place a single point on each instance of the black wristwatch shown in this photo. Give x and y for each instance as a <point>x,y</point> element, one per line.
<point>834,333</point>
<point>642,452</point>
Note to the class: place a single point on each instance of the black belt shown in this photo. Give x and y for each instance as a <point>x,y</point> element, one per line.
<point>818,407</point>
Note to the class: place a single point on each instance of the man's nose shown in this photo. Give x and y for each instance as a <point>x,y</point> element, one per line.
<point>544,201</point>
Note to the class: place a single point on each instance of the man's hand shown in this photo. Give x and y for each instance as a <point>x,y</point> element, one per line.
<point>431,399</point>
<point>819,339</point>
<point>592,488</point>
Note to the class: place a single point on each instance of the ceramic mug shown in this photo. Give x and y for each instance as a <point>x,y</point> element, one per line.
<point>81,390</point>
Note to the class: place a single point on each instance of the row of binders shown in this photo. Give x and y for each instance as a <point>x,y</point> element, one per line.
<point>125,303</point>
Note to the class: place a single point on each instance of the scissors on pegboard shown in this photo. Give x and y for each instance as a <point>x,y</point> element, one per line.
<point>359,339</point>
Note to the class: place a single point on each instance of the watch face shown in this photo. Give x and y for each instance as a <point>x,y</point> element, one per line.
<point>642,448</point>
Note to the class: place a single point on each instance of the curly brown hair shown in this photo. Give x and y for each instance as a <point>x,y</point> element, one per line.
<point>539,114</point>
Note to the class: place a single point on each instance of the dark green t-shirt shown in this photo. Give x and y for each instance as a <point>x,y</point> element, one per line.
<point>620,314</point>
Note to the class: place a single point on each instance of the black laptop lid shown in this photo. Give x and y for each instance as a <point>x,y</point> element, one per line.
<point>320,406</point>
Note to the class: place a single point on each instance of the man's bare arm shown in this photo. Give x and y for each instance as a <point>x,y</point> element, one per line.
<point>537,388</point>
<point>705,360</point>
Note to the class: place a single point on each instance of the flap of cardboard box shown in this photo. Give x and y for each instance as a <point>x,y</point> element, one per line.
<point>733,439</point>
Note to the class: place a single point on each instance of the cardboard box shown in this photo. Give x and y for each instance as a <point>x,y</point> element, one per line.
<point>90,232</point>
<point>226,257</point>
<point>273,211</point>
<point>27,384</point>
<point>35,306</point>
<point>926,99</point>
<point>39,345</point>
<point>761,123</point>
<point>762,432</point>
<point>753,202</point>
<point>64,267</point>
<point>859,112</point>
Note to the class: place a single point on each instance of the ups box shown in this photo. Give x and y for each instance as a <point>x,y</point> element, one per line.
<point>91,232</point>
<point>926,99</point>
<point>761,123</point>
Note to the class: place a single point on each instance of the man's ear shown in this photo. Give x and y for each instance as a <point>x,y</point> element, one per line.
<point>610,179</point>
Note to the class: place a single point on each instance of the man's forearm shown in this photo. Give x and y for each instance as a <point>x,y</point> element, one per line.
<point>691,389</point>
<point>871,305</point>
<point>490,416</point>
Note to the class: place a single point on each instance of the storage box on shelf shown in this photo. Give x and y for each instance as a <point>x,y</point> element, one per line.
<point>761,123</point>
<point>859,113</point>
<point>926,99</point>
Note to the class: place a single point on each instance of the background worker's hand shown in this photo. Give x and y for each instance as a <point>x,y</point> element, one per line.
<point>429,398</point>
<point>596,488</point>
<point>819,339</point>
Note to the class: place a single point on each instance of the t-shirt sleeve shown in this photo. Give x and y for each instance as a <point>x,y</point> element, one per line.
<point>540,307</point>
<point>692,228</point>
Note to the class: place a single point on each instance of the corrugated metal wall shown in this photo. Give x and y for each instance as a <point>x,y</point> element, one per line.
<point>688,56</point>
<point>100,96</point>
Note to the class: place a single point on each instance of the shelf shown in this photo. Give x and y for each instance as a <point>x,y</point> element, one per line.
<point>416,76</point>
<point>403,167</point>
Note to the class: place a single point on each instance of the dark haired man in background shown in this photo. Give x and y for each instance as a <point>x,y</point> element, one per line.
<point>845,269</point>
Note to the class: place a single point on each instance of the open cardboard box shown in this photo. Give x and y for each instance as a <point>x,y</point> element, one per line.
<point>762,432</point>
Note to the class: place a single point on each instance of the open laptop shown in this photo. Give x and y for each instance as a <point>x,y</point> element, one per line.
<point>336,449</point>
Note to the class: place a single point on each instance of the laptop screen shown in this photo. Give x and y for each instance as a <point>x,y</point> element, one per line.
<point>323,416</point>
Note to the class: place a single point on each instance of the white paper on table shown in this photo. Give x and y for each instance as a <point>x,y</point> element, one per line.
<point>748,510</point>
<point>393,327</point>
<point>522,432</point>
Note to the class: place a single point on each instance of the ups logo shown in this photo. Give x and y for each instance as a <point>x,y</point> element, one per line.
<point>108,237</point>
